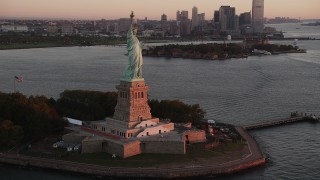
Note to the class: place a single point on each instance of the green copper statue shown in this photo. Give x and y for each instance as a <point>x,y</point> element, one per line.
<point>133,70</point>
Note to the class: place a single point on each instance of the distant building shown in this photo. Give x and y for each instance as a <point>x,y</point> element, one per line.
<point>184,23</point>
<point>216,16</point>
<point>201,19</point>
<point>258,16</point>
<point>114,28</point>
<point>164,23</point>
<point>228,20</point>
<point>67,28</point>
<point>163,17</point>
<point>184,15</point>
<point>174,28</point>
<point>147,33</point>
<point>178,16</point>
<point>245,23</point>
<point>245,18</point>
<point>123,25</point>
<point>278,20</point>
<point>185,27</point>
<point>195,18</point>
<point>14,28</point>
<point>52,28</point>
<point>249,42</point>
<point>198,20</point>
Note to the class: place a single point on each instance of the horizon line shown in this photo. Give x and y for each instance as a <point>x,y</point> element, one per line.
<point>70,18</point>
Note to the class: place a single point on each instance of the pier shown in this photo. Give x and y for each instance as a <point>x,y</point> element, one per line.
<point>295,117</point>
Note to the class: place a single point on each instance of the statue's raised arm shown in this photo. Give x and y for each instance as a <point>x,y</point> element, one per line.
<point>133,70</point>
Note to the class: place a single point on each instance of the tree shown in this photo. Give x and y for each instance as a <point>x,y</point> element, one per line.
<point>33,114</point>
<point>86,105</point>
<point>176,110</point>
<point>10,134</point>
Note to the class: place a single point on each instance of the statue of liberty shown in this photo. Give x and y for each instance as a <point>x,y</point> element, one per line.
<point>133,70</point>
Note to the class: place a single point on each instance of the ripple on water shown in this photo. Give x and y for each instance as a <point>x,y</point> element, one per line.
<point>291,154</point>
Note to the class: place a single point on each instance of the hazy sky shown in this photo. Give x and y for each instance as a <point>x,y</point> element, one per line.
<point>113,9</point>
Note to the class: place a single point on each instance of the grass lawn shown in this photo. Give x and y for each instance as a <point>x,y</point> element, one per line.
<point>194,152</point>
<point>2,149</point>
<point>5,149</point>
<point>149,160</point>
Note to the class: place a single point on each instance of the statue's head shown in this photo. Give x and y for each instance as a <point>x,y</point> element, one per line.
<point>134,31</point>
<point>134,28</point>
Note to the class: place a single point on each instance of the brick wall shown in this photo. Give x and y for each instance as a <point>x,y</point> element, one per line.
<point>119,149</point>
<point>132,149</point>
<point>195,136</point>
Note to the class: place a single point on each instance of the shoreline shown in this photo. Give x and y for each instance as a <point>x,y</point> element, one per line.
<point>52,45</point>
<point>240,56</point>
<point>209,167</point>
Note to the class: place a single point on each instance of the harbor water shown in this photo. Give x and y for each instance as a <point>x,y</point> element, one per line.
<point>236,91</point>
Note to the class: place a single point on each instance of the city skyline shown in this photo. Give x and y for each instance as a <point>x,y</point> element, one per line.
<point>99,9</point>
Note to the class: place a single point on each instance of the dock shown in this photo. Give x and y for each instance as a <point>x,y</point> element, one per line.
<point>295,117</point>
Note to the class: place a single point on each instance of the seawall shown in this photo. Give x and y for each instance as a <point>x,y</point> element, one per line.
<point>129,172</point>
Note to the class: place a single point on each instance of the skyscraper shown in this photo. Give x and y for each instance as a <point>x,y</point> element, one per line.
<point>178,16</point>
<point>195,17</point>
<point>258,16</point>
<point>228,20</point>
<point>164,22</point>
<point>245,23</point>
<point>163,17</point>
<point>245,18</point>
<point>185,27</point>
<point>184,22</point>
<point>201,19</point>
<point>216,17</point>
<point>184,15</point>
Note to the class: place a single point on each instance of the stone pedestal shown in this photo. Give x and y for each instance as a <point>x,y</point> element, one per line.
<point>132,103</point>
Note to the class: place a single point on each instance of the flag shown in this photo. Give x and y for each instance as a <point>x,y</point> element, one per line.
<point>18,78</point>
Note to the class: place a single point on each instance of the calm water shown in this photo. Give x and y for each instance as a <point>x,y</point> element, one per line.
<point>239,91</point>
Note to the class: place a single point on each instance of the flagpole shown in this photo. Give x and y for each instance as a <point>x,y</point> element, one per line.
<point>14,84</point>
<point>18,79</point>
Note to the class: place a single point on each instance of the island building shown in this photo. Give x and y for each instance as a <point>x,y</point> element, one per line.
<point>133,130</point>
